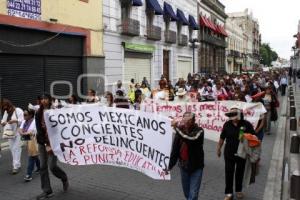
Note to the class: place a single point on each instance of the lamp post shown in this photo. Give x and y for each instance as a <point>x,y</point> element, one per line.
<point>194,45</point>
<point>294,64</point>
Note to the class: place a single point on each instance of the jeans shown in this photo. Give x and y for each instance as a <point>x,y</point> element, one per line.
<point>234,167</point>
<point>51,160</point>
<point>283,89</point>
<point>33,160</point>
<point>16,150</point>
<point>260,134</point>
<point>191,183</point>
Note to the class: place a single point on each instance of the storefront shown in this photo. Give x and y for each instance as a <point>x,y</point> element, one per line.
<point>32,60</point>
<point>184,67</point>
<point>137,62</point>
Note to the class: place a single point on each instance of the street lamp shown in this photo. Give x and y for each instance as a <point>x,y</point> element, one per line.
<point>194,45</point>
<point>294,48</point>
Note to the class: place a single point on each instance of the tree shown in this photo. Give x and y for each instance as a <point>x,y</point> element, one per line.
<point>267,54</point>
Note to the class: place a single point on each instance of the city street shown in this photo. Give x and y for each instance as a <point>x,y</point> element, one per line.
<point>107,86</point>
<point>112,183</point>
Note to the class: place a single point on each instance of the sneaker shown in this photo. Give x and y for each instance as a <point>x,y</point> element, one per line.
<point>44,195</point>
<point>65,185</point>
<point>37,171</point>
<point>239,195</point>
<point>15,171</point>
<point>27,178</point>
<point>228,197</point>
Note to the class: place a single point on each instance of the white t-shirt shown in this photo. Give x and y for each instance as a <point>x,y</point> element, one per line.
<point>32,127</point>
<point>17,115</point>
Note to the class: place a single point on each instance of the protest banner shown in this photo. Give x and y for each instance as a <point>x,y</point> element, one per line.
<point>209,115</point>
<point>93,134</point>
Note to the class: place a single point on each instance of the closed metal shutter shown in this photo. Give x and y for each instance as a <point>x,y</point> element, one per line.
<point>62,69</point>
<point>22,78</point>
<point>184,67</point>
<point>137,66</point>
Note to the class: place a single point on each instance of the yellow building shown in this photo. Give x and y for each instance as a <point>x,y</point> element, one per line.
<point>48,41</point>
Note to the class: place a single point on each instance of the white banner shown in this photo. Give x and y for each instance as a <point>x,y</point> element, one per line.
<point>209,115</point>
<point>90,134</point>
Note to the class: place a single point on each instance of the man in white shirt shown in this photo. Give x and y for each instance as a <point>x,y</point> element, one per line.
<point>283,84</point>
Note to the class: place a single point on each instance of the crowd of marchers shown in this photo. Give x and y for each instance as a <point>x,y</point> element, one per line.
<point>242,140</point>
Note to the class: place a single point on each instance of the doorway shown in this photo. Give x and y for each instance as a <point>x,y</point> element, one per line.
<point>166,64</point>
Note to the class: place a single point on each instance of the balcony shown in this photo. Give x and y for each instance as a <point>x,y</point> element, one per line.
<point>183,40</point>
<point>213,40</point>
<point>153,33</point>
<point>130,27</point>
<point>170,37</point>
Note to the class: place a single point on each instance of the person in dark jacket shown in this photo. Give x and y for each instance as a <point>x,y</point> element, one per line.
<point>234,166</point>
<point>188,149</point>
<point>46,154</point>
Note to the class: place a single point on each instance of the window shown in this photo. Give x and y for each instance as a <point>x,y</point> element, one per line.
<point>125,12</point>
<point>179,29</point>
<point>150,17</point>
<point>167,24</point>
<point>191,31</point>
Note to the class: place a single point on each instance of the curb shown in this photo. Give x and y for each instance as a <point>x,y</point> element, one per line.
<point>273,188</point>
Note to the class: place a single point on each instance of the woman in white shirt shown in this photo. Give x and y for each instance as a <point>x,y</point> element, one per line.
<point>11,120</point>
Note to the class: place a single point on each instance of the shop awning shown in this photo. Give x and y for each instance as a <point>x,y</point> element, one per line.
<point>222,31</point>
<point>181,17</point>
<point>193,23</point>
<point>137,3</point>
<point>154,5</point>
<point>212,26</point>
<point>207,23</point>
<point>168,10</point>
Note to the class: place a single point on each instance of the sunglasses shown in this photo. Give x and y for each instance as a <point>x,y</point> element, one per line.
<point>233,114</point>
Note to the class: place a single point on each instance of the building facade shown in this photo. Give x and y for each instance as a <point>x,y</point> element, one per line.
<point>212,50</point>
<point>295,58</point>
<point>47,45</point>
<point>252,38</point>
<point>148,39</point>
<point>235,49</point>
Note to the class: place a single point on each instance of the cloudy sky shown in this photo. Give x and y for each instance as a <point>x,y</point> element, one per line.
<point>278,20</point>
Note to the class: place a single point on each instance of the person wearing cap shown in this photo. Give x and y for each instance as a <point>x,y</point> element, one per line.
<point>188,150</point>
<point>47,158</point>
<point>234,165</point>
<point>181,96</point>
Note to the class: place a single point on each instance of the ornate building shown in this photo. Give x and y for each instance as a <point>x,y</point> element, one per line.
<point>212,36</point>
<point>252,38</point>
<point>235,48</point>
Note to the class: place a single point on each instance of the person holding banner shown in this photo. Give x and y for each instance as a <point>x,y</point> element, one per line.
<point>232,132</point>
<point>188,149</point>
<point>46,155</point>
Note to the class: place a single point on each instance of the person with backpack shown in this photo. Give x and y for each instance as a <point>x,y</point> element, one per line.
<point>11,121</point>
<point>188,150</point>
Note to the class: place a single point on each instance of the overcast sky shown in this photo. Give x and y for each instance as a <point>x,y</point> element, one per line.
<point>278,21</point>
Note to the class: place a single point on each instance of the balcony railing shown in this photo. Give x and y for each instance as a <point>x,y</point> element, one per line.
<point>213,40</point>
<point>154,33</point>
<point>130,27</point>
<point>183,40</point>
<point>170,37</point>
